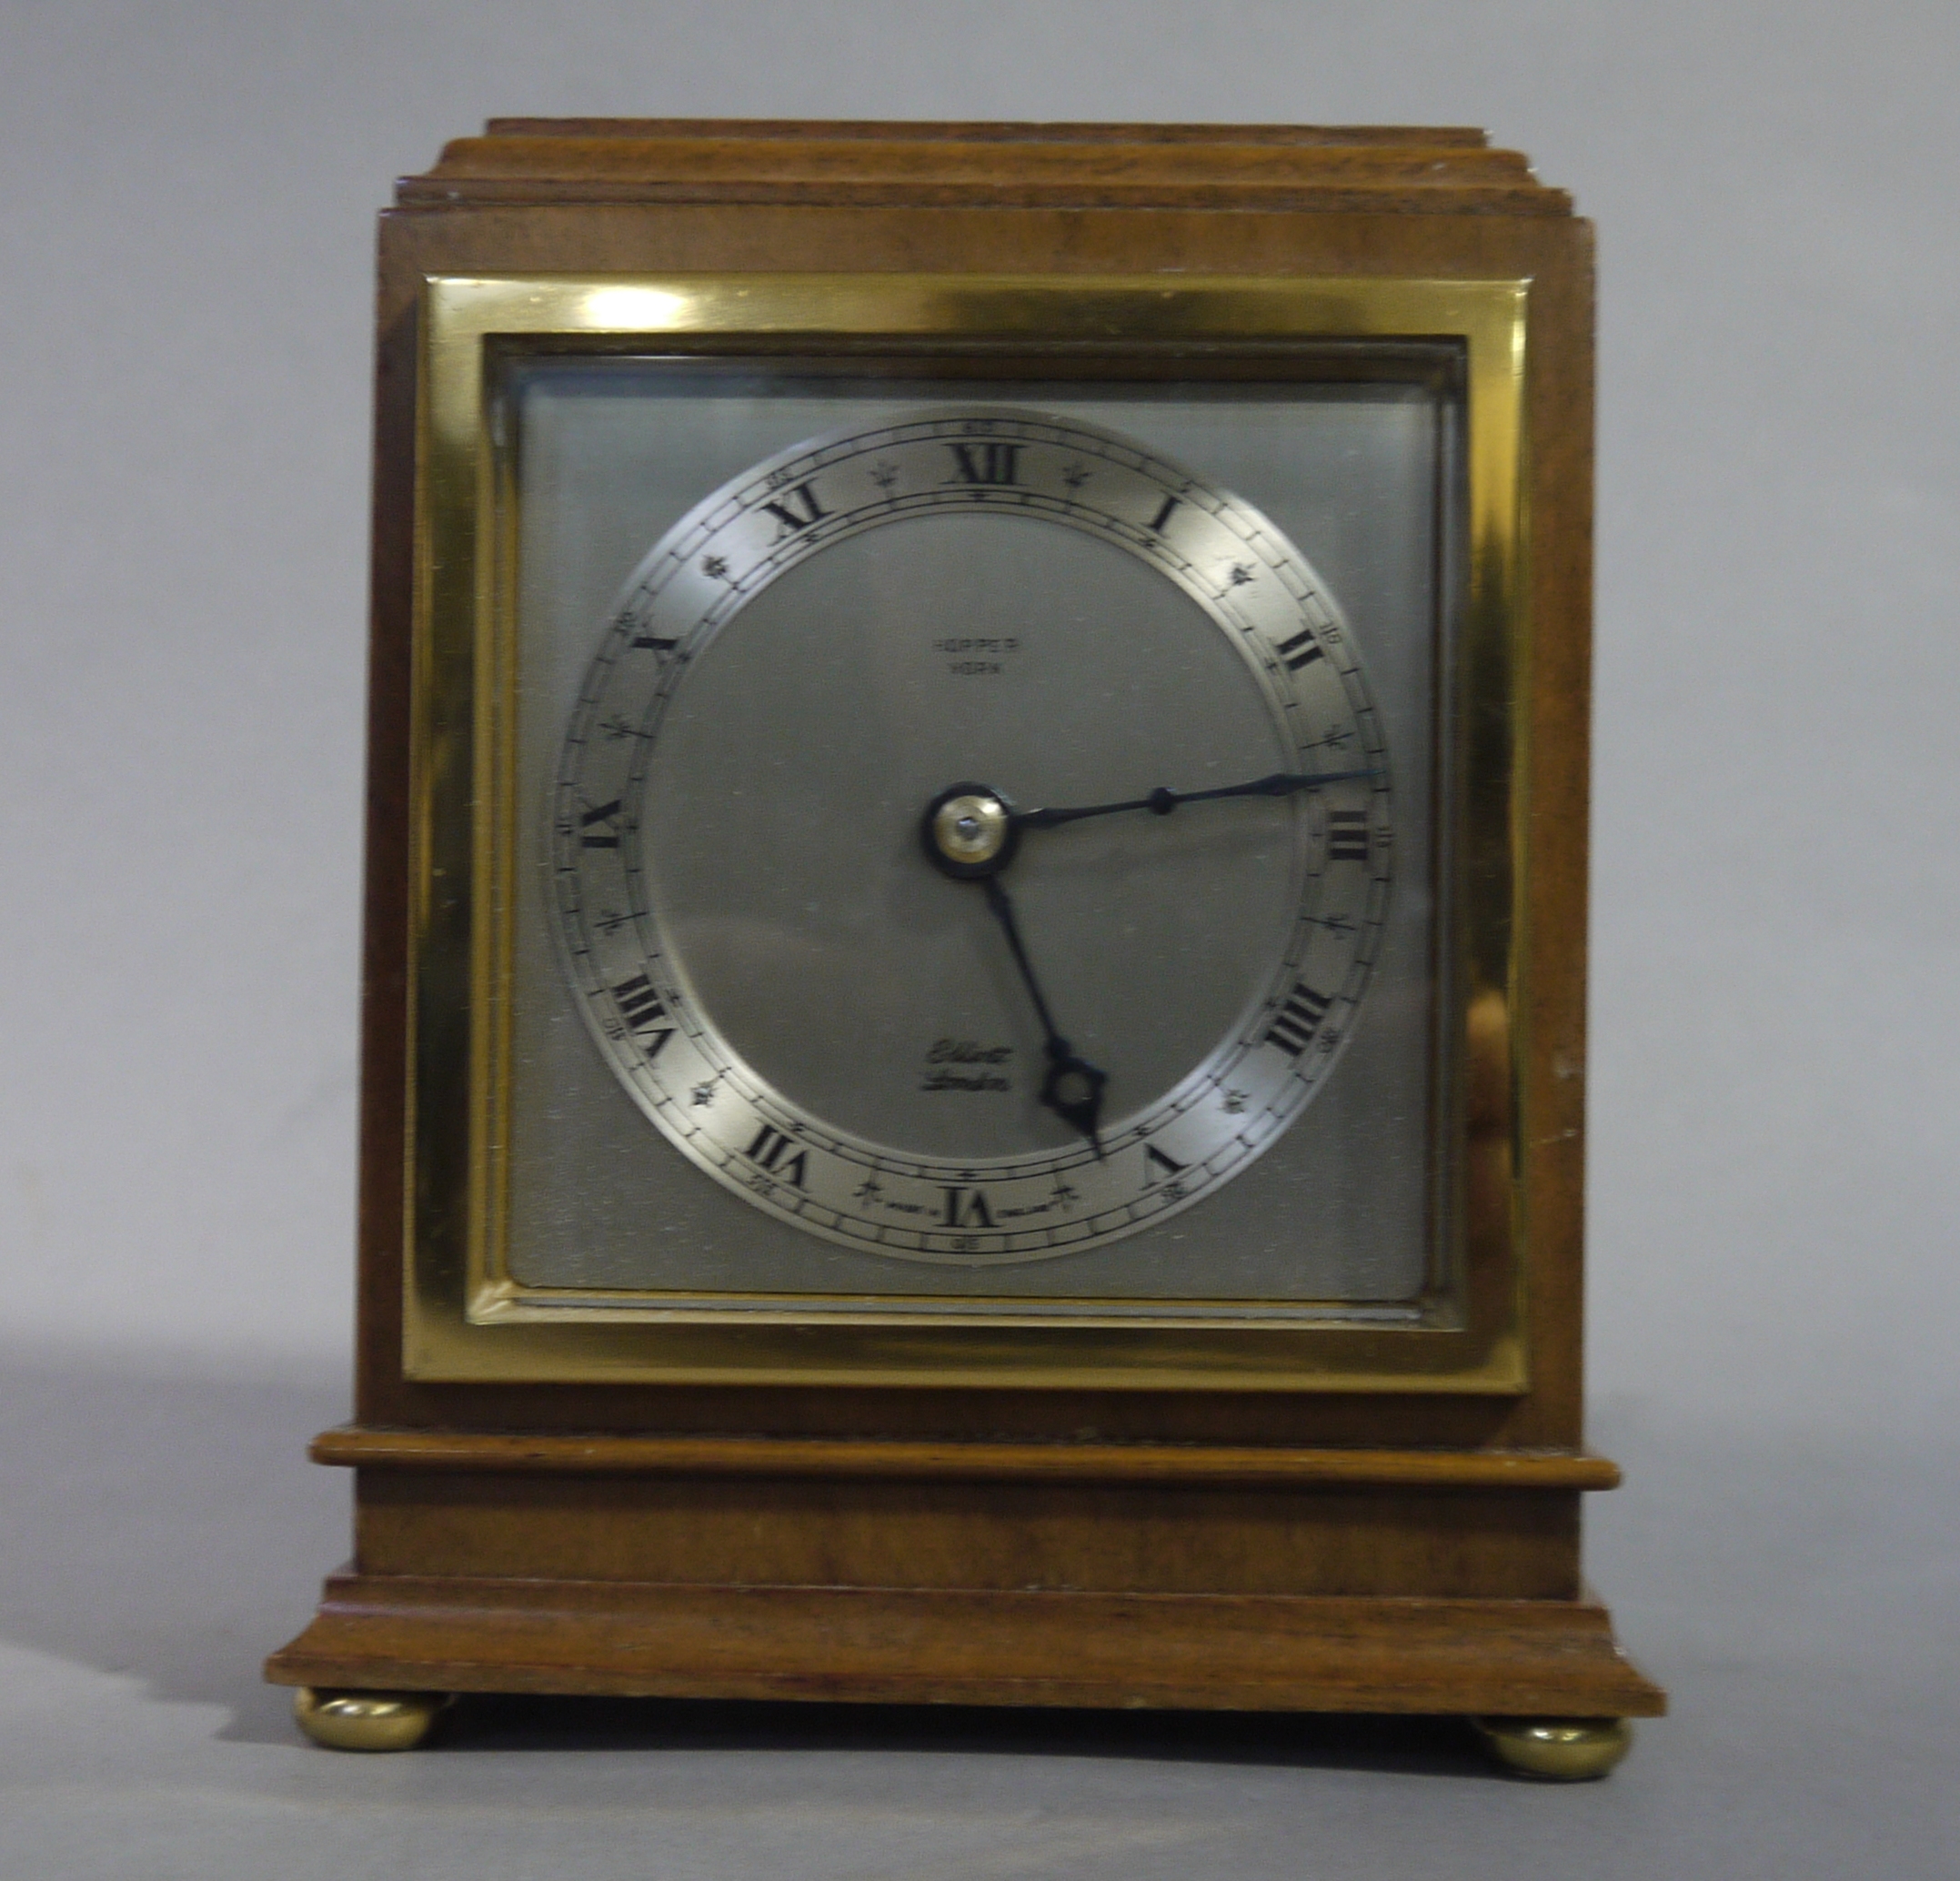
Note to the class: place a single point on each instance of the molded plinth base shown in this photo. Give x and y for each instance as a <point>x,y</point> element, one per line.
<point>1518,1658</point>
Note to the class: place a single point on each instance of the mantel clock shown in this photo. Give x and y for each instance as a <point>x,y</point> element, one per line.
<point>974,1031</point>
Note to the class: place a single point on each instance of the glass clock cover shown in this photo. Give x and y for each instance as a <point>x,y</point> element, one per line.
<point>767,1040</point>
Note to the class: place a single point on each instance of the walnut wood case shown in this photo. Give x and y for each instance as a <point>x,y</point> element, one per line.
<point>1378,1551</point>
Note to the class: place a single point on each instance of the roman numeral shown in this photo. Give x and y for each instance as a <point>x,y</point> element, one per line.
<point>985,463</point>
<point>1157,1165</point>
<point>654,645</point>
<point>966,1208</point>
<point>645,1014</point>
<point>770,1151</point>
<point>1302,649</point>
<point>1347,835</point>
<point>795,508</point>
<point>1157,522</point>
<point>605,814</point>
<point>1302,1012</point>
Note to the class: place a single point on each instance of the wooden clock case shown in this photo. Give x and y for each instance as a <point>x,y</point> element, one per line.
<point>1288,1551</point>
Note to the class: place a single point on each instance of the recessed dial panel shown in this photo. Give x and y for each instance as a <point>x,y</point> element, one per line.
<point>864,1044</point>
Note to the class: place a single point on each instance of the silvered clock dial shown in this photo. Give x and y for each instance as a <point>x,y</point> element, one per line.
<point>972,839</point>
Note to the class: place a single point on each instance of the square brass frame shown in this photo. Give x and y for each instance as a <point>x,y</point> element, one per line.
<point>465,1317</point>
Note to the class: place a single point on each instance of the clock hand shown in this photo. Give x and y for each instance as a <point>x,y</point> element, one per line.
<point>968,832</point>
<point>1281,783</point>
<point>1073,1087</point>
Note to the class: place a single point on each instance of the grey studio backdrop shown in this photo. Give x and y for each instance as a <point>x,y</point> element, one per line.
<point>185,255</point>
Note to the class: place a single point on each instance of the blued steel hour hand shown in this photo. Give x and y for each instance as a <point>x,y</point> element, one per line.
<point>968,832</point>
<point>1073,1087</point>
<point>1162,802</point>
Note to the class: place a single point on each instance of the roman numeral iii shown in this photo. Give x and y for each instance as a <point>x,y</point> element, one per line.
<point>1347,835</point>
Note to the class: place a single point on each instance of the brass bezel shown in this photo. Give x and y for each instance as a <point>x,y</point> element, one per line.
<point>465,1317</point>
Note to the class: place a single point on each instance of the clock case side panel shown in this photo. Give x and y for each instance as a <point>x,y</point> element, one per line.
<point>420,243</point>
<point>1266,1479</point>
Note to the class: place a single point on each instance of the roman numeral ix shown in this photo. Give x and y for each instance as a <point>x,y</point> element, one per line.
<point>607,837</point>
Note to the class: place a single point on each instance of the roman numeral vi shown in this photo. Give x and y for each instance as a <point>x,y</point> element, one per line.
<point>967,1208</point>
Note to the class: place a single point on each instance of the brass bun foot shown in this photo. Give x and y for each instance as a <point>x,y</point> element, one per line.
<point>1561,1749</point>
<point>367,1720</point>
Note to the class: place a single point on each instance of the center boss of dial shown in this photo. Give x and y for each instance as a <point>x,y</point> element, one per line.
<point>969,831</point>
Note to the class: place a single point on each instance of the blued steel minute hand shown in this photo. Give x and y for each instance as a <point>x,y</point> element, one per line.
<point>1073,1087</point>
<point>1281,783</point>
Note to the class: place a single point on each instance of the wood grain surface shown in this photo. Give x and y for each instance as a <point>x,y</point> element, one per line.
<point>613,1454</point>
<point>1197,1652</point>
<point>899,165</point>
